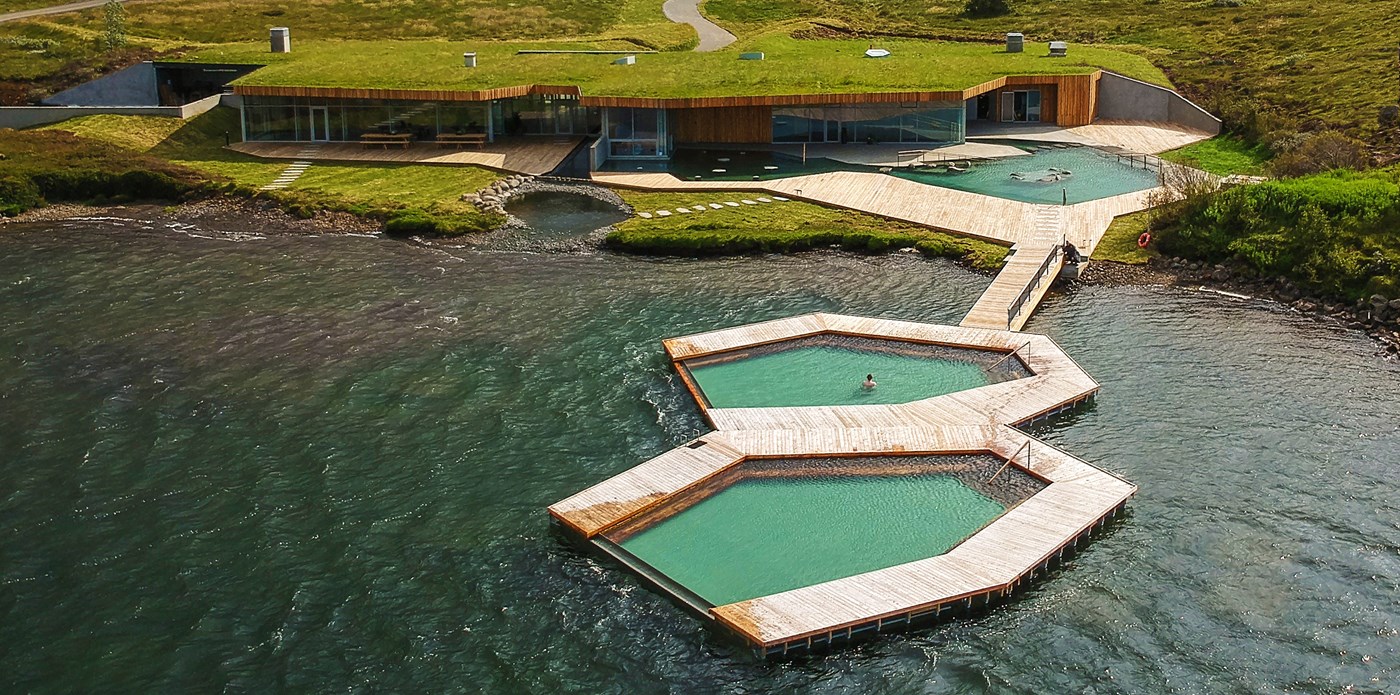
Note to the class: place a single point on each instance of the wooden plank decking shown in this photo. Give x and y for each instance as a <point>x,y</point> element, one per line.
<point>988,564</point>
<point>1029,271</point>
<point>521,155</point>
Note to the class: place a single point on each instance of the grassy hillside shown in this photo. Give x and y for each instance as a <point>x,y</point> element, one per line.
<point>1331,61</point>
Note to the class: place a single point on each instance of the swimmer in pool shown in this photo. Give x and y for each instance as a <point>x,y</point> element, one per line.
<point>869,382</point>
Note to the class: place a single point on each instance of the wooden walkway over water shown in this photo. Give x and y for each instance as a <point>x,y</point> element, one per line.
<point>987,566</point>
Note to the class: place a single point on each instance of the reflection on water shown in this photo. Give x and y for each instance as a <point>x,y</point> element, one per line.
<point>321,463</point>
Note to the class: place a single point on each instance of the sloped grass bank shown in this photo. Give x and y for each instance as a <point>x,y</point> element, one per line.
<point>781,228</point>
<point>412,199</point>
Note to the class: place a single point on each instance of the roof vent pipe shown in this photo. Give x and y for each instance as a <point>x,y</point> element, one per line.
<point>281,38</point>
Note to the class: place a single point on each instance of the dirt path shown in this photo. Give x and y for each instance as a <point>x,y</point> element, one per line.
<point>712,36</point>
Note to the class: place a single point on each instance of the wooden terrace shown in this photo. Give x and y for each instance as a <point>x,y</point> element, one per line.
<point>519,155</point>
<point>988,566</point>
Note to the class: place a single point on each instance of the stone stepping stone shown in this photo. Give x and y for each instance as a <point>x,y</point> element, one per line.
<point>644,215</point>
<point>663,213</point>
<point>780,199</point>
<point>718,171</point>
<point>764,200</point>
<point>716,206</point>
<point>748,202</point>
<point>683,210</point>
<point>731,204</point>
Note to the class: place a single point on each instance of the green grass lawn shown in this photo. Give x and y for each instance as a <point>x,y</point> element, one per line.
<point>1119,243</point>
<point>792,67</point>
<point>779,228</point>
<point>1223,155</point>
<point>375,190</point>
<point>1312,59</point>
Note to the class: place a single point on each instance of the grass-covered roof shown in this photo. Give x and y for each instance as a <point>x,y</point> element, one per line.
<point>792,66</point>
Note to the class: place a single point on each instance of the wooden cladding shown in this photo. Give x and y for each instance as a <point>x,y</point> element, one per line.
<point>1065,100</point>
<point>773,100</point>
<point>406,94</point>
<point>739,124</point>
<point>1073,100</point>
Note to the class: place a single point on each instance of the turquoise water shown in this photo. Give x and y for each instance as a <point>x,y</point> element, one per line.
<point>829,375</point>
<point>763,536</point>
<point>320,464</point>
<point>1094,175</point>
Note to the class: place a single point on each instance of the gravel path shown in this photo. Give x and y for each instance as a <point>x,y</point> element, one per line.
<point>712,36</point>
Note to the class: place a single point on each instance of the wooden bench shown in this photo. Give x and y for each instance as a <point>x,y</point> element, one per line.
<point>386,139</point>
<point>460,139</point>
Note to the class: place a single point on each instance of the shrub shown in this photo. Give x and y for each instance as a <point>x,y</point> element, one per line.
<point>1321,152</point>
<point>18,194</point>
<point>987,8</point>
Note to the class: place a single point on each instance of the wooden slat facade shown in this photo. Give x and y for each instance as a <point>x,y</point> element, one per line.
<point>1076,83</point>
<point>739,124</point>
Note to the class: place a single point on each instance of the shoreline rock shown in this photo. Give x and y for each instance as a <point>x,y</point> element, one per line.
<point>221,214</point>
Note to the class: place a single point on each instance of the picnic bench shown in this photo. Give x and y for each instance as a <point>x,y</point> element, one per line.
<point>386,139</point>
<point>460,139</point>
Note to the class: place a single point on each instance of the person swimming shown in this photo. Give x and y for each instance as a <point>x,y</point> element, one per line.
<point>869,382</point>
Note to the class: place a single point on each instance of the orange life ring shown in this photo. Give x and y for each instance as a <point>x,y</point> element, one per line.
<point>1144,240</point>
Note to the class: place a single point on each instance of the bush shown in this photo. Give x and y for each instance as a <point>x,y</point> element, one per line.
<point>1331,232</point>
<point>18,194</point>
<point>987,8</point>
<point>1318,153</point>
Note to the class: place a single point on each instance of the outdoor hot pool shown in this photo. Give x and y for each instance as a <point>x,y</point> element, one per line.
<point>778,524</point>
<point>831,370</point>
<point>1050,175</point>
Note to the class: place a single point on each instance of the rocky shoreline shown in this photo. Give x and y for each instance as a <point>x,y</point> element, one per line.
<point>1376,316</point>
<point>221,215</point>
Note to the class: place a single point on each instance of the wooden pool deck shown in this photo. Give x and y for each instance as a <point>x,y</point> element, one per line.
<point>1142,137</point>
<point>518,155</point>
<point>987,566</point>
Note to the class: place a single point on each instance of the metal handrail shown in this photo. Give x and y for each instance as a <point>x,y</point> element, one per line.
<point>1008,355</point>
<point>1024,447</point>
<point>1014,309</point>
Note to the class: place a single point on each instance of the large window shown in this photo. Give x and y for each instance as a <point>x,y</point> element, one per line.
<point>1020,106</point>
<point>922,122</point>
<point>345,120</point>
<point>636,133</point>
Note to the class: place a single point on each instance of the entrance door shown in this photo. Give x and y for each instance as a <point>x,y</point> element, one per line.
<point>1021,106</point>
<point>320,124</point>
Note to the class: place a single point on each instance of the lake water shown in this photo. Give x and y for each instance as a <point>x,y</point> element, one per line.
<point>321,464</point>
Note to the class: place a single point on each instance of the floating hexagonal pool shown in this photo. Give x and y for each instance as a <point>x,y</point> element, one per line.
<point>771,525</point>
<point>831,369</point>
<point>811,517</point>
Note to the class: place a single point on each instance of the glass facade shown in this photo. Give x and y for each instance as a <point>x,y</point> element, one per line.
<point>634,133</point>
<point>921,122</point>
<point>345,120</point>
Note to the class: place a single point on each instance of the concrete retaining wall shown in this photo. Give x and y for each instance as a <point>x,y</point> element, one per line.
<point>1124,98</point>
<point>133,86</point>
<point>30,116</point>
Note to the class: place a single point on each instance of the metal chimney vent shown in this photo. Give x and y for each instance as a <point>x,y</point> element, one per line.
<point>1015,42</point>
